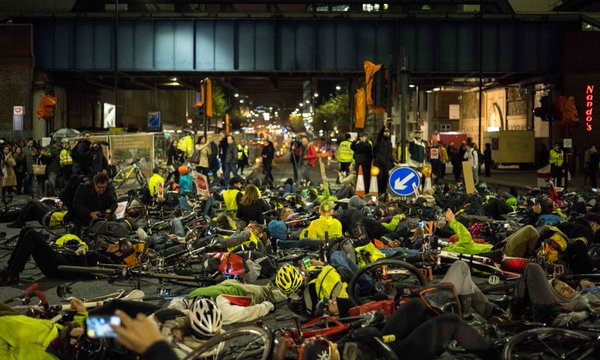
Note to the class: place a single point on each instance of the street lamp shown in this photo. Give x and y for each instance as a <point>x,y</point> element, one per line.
<point>338,88</point>
<point>236,95</point>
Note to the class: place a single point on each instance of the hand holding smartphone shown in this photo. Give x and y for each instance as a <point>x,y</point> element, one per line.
<point>100,326</point>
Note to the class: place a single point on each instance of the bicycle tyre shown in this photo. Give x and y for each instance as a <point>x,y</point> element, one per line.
<point>266,336</point>
<point>56,231</point>
<point>119,179</point>
<point>352,286</point>
<point>510,352</point>
<point>141,178</point>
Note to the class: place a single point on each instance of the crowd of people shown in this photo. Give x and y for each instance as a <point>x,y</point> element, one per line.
<point>363,228</point>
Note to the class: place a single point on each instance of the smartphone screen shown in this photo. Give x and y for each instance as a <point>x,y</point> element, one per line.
<point>373,199</point>
<point>99,326</point>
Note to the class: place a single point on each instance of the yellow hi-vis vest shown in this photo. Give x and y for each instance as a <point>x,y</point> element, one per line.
<point>24,338</point>
<point>229,196</point>
<point>241,151</point>
<point>186,144</point>
<point>329,284</point>
<point>153,183</point>
<point>556,158</point>
<point>344,152</point>
<point>253,240</point>
<point>65,158</point>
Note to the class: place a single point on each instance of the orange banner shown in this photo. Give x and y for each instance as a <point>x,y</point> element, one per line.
<point>209,112</point>
<point>370,70</point>
<point>227,123</point>
<point>359,109</point>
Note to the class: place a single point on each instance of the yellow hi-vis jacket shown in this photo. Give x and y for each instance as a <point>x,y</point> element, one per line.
<point>230,198</point>
<point>242,150</point>
<point>329,284</point>
<point>556,158</point>
<point>65,158</point>
<point>153,183</point>
<point>344,152</point>
<point>322,225</point>
<point>186,144</point>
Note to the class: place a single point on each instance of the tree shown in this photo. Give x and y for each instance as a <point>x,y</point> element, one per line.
<point>219,104</point>
<point>297,123</point>
<point>333,113</point>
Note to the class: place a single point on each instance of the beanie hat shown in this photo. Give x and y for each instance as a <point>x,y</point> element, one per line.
<point>356,203</point>
<point>326,206</point>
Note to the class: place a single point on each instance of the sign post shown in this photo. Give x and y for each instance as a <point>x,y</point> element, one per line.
<point>404,180</point>
<point>18,113</point>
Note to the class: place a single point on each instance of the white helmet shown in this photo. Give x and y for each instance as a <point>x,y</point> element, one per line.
<point>205,317</point>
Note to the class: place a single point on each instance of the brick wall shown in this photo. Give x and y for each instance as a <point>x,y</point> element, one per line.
<point>15,73</point>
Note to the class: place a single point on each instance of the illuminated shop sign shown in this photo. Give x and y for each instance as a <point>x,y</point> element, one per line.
<point>589,106</point>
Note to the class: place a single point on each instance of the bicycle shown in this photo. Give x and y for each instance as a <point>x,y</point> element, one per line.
<point>125,173</point>
<point>552,343</point>
<point>249,342</point>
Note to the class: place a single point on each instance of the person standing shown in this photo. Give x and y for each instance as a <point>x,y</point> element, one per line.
<point>10,179</point>
<point>295,156</point>
<point>66,162</point>
<point>53,168</point>
<point>487,159</point>
<point>556,161</point>
<point>30,154</point>
<point>213,158</point>
<point>203,148</point>
<point>363,157</point>
<point>20,168</point>
<point>223,144</point>
<point>443,161</point>
<point>435,160</point>
<point>345,154</point>
<point>383,158</point>
<point>471,156</point>
<point>82,156</point>
<point>98,162</point>
<point>242,153</point>
<point>186,144</point>
<point>267,154</point>
<point>592,166</point>
<point>229,167</point>
<point>455,160</point>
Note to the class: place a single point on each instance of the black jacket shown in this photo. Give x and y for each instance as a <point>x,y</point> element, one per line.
<point>86,201</point>
<point>268,151</point>
<point>382,152</point>
<point>252,212</point>
<point>363,153</point>
<point>84,155</point>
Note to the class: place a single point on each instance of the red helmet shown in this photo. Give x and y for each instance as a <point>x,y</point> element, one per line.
<point>183,169</point>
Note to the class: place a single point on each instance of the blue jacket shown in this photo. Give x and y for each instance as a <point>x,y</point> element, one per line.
<point>186,185</point>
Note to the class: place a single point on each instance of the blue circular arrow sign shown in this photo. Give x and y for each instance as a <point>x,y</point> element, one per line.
<point>403,180</point>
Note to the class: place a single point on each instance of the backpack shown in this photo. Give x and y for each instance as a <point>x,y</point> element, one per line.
<point>67,194</point>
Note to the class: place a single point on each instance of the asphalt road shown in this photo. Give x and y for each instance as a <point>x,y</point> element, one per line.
<point>152,287</point>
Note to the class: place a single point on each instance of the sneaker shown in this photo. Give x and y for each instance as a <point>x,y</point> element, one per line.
<point>142,234</point>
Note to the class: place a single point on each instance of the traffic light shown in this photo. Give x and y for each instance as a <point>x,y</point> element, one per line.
<point>546,111</point>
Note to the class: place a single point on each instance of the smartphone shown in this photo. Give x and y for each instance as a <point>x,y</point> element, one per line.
<point>100,326</point>
<point>506,226</point>
<point>373,199</point>
<point>421,224</point>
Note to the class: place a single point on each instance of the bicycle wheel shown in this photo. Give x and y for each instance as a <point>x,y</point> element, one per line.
<point>548,343</point>
<point>56,227</point>
<point>248,342</point>
<point>389,277</point>
<point>119,179</point>
<point>141,179</point>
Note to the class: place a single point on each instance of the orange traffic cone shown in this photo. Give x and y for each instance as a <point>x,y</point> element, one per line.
<point>374,188</point>
<point>360,183</point>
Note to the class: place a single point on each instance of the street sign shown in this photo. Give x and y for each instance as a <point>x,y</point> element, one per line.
<point>153,120</point>
<point>403,181</point>
<point>18,110</point>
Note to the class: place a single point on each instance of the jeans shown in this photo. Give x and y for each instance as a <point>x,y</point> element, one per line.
<point>229,168</point>
<point>177,227</point>
<point>339,258</point>
<point>183,203</point>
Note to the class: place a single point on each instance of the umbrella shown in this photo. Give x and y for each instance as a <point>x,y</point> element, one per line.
<point>65,133</point>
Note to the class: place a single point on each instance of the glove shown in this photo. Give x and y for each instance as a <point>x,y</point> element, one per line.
<point>81,250</point>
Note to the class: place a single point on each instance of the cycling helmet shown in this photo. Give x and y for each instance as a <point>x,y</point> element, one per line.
<point>205,317</point>
<point>288,279</point>
<point>183,169</point>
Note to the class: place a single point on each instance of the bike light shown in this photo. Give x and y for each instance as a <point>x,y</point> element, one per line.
<point>374,171</point>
